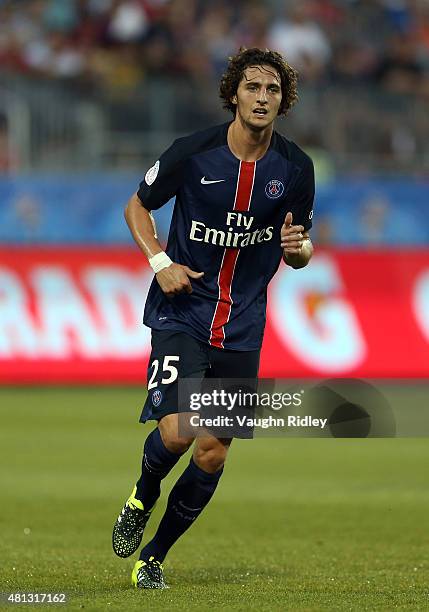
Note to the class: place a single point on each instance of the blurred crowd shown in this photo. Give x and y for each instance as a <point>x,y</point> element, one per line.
<point>117,44</point>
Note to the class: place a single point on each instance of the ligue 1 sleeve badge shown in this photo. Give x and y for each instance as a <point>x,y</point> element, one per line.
<point>151,174</point>
<point>274,189</point>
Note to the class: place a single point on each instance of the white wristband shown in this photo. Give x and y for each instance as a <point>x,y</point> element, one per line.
<point>159,261</point>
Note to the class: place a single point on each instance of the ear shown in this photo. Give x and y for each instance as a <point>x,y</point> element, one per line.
<point>234,99</point>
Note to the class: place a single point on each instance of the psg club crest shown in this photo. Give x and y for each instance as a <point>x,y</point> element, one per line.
<point>274,189</point>
<point>156,398</point>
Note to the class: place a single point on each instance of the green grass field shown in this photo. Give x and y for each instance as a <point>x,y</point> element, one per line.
<point>296,524</point>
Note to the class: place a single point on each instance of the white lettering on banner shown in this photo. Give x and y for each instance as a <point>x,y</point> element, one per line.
<point>106,323</point>
<point>68,326</point>
<point>17,333</point>
<point>317,325</point>
<point>117,292</point>
<point>421,302</point>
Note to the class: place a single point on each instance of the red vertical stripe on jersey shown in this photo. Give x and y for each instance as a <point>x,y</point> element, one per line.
<point>243,196</point>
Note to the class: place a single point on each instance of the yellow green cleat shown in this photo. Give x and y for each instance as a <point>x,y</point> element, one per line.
<point>148,575</point>
<point>128,529</point>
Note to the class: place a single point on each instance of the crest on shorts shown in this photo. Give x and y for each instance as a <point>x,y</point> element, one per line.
<point>156,397</point>
<point>151,174</point>
<point>274,189</point>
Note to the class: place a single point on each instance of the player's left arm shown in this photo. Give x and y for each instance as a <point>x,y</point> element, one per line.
<point>295,239</point>
<point>296,244</point>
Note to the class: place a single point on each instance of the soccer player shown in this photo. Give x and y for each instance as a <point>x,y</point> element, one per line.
<point>244,201</point>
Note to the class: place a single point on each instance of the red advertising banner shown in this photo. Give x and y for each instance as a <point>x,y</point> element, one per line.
<point>74,316</point>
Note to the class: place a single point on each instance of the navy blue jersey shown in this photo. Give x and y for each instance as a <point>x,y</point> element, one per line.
<point>226,223</point>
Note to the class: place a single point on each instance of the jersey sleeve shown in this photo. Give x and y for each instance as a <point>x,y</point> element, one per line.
<point>303,196</point>
<point>163,180</point>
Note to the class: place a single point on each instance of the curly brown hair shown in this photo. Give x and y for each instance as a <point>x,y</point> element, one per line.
<point>257,57</point>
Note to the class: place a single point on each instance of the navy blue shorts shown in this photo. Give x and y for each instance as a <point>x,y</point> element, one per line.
<point>178,355</point>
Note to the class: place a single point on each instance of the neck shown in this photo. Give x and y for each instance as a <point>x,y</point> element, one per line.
<point>248,144</point>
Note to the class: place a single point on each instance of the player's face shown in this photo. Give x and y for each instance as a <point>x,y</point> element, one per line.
<point>259,96</point>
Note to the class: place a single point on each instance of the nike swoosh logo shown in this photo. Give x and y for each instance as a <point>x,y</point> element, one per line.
<point>205,182</point>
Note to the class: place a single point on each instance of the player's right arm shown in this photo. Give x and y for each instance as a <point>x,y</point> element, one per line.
<point>161,182</point>
<point>174,277</point>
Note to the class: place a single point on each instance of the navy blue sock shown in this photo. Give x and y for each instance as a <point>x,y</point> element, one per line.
<point>156,463</point>
<point>187,499</point>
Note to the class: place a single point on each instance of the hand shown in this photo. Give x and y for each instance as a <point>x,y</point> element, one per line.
<point>291,236</point>
<point>175,279</point>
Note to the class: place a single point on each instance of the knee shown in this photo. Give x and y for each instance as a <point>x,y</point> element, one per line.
<point>169,430</point>
<point>211,457</point>
<point>176,444</point>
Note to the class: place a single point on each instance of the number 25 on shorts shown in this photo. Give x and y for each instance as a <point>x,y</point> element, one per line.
<point>166,368</point>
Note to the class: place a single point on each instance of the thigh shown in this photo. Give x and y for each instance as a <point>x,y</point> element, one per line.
<point>174,355</point>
